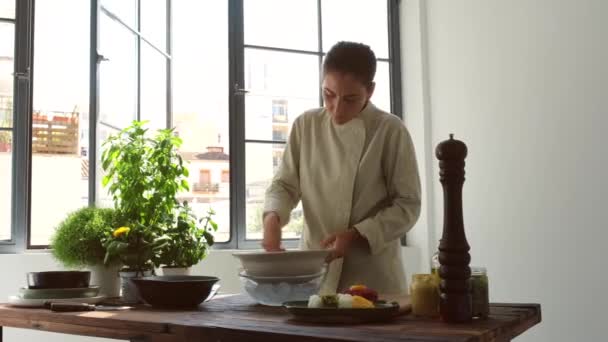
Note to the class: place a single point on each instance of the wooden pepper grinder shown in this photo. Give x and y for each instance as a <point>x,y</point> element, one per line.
<point>455,303</point>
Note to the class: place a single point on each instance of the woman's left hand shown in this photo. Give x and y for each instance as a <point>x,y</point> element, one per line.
<point>340,243</point>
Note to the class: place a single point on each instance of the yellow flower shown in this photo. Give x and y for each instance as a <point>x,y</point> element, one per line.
<point>120,231</point>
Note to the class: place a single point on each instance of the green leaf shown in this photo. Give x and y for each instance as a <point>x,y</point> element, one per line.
<point>105,180</point>
<point>210,239</point>
<point>184,184</point>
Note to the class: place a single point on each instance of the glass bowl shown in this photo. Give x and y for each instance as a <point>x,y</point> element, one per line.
<point>274,293</point>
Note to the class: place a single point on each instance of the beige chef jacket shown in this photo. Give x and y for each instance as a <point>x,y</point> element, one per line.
<point>360,174</point>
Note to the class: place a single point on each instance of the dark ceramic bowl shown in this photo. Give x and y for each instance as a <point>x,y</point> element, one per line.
<point>175,292</point>
<point>58,279</point>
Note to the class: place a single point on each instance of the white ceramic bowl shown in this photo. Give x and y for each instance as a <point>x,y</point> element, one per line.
<point>277,293</point>
<point>282,264</point>
<point>290,280</point>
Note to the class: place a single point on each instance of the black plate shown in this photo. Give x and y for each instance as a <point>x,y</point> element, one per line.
<point>382,312</point>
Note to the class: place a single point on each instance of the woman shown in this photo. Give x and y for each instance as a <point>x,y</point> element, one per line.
<point>354,168</point>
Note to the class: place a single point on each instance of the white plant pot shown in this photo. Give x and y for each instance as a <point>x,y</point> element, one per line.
<point>106,277</point>
<point>176,270</point>
<point>128,289</point>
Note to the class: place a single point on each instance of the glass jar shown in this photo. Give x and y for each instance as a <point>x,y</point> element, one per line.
<point>480,292</point>
<point>424,295</point>
<point>435,266</point>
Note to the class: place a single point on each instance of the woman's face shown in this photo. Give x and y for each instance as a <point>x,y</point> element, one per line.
<point>344,95</point>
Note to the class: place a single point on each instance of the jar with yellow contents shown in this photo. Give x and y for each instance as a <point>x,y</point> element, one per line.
<point>424,295</point>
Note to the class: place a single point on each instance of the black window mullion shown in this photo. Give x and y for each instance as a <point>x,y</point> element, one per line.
<point>22,119</point>
<point>278,49</point>
<point>169,71</point>
<point>320,47</point>
<point>94,60</point>
<point>255,141</point>
<point>394,55</point>
<point>394,37</point>
<point>236,104</point>
<point>138,58</point>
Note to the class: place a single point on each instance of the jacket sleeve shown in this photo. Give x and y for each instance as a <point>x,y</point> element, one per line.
<point>283,194</point>
<point>403,184</point>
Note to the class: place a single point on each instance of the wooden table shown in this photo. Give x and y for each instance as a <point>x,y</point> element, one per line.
<point>237,318</point>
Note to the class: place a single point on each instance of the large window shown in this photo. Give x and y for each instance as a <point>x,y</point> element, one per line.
<point>283,46</point>
<point>230,75</point>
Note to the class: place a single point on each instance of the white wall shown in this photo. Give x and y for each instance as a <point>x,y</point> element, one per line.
<point>524,84</point>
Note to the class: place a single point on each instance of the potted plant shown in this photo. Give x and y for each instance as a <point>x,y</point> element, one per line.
<point>143,175</point>
<point>188,241</point>
<point>77,243</point>
<point>135,247</point>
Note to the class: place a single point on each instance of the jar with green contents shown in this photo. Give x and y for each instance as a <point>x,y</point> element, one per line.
<point>480,292</point>
<point>424,295</point>
<point>435,266</point>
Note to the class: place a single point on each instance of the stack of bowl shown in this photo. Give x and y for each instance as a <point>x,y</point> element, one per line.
<point>57,286</point>
<point>273,278</point>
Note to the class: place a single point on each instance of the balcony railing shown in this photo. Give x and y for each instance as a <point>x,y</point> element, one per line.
<point>206,187</point>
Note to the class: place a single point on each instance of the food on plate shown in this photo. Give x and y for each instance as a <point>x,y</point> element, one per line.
<point>363,291</point>
<point>340,301</point>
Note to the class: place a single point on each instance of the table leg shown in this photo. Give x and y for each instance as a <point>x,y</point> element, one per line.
<point>1,334</point>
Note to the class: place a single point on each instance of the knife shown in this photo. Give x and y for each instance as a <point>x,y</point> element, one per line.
<point>75,307</point>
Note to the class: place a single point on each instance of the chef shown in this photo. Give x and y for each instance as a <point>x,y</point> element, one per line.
<point>354,168</point>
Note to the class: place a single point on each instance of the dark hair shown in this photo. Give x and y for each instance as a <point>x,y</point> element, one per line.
<point>352,58</point>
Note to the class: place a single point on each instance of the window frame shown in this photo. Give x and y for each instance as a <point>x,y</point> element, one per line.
<point>22,109</point>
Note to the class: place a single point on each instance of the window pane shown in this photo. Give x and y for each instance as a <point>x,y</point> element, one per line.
<point>154,22</point>
<point>363,21</point>
<point>126,10</point>
<point>280,23</point>
<point>7,36</point>
<point>153,87</point>
<point>281,87</point>
<point>60,118</point>
<point>118,75</point>
<point>261,163</point>
<point>104,199</point>
<point>200,105</point>
<point>7,9</point>
<point>6,162</point>
<point>382,93</point>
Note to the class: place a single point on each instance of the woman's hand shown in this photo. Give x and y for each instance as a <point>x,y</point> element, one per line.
<point>340,243</point>
<point>272,233</point>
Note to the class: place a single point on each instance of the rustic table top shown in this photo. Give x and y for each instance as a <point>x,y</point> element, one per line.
<point>237,317</point>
